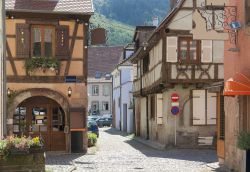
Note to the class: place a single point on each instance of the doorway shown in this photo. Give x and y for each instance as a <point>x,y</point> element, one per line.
<point>125,115</point>
<point>43,117</point>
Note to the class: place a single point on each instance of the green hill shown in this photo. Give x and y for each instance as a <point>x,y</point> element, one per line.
<point>117,33</point>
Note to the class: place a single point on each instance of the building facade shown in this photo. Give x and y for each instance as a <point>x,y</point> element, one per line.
<point>234,118</point>
<point>101,61</point>
<point>123,114</point>
<point>170,61</point>
<point>2,73</point>
<point>46,69</point>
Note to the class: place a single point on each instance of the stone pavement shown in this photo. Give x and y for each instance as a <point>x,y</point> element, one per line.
<point>117,153</point>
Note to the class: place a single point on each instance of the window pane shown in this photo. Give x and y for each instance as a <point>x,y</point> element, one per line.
<point>19,120</point>
<point>36,42</point>
<point>39,119</point>
<point>193,53</point>
<point>58,119</point>
<point>183,50</point>
<point>48,42</point>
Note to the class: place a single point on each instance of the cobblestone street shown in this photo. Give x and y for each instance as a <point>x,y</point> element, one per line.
<point>116,152</point>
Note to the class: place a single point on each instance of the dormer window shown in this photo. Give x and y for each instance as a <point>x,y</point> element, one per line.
<point>188,50</point>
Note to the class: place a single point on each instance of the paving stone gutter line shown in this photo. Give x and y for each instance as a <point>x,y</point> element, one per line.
<point>150,143</point>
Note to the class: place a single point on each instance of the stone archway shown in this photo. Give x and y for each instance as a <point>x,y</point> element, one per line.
<point>36,92</point>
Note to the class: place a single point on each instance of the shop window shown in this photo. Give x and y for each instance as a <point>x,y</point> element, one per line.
<point>95,90</point>
<point>188,50</point>
<point>39,119</point>
<point>58,119</point>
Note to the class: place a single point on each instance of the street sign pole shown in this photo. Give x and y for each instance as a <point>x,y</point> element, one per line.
<point>175,131</point>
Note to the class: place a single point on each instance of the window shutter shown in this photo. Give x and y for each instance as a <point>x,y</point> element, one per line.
<point>211,108</point>
<point>159,108</point>
<point>199,107</point>
<point>172,43</point>
<point>207,51</point>
<point>22,40</point>
<point>62,42</point>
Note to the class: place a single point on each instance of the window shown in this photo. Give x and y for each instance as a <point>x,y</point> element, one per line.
<point>247,12</point>
<point>106,90</point>
<point>188,50</point>
<point>95,90</point>
<point>146,64</point>
<point>152,109</point>
<point>105,106</point>
<point>43,41</point>
<point>19,120</point>
<point>95,107</point>
<point>204,107</point>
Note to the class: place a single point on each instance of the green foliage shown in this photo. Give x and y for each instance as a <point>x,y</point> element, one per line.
<point>244,141</point>
<point>32,64</point>
<point>92,139</point>
<point>117,33</point>
<point>132,12</point>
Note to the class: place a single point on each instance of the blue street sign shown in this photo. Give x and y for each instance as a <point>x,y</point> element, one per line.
<point>175,110</point>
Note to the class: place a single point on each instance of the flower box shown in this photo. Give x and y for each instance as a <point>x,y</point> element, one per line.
<point>22,154</point>
<point>43,72</point>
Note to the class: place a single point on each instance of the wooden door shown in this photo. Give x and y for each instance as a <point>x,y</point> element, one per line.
<point>220,127</point>
<point>38,122</point>
<point>43,117</point>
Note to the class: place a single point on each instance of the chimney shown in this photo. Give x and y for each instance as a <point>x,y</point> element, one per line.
<point>155,21</point>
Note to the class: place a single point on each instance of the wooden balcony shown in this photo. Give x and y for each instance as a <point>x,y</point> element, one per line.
<point>194,73</point>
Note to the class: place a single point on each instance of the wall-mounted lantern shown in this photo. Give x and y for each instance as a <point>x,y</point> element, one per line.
<point>69,91</point>
<point>9,91</point>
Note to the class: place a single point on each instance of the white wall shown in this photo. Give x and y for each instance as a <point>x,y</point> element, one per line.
<point>100,98</point>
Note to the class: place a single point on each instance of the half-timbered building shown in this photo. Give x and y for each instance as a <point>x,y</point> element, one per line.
<point>171,61</point>
<point>46,69</point>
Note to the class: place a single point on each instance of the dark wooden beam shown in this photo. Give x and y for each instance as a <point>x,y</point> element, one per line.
<point>10,57</point>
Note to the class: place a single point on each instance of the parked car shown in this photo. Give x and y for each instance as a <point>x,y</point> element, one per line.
<point>93,117</point>
<point>104,121</point>
<point>93,127</point>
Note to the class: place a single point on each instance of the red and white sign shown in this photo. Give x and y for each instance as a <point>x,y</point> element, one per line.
<point>175,97</point>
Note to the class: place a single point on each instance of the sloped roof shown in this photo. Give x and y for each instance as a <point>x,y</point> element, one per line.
<point>103,59</point>
<point>54,6</point>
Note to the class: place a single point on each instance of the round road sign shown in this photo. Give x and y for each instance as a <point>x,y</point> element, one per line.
<point>175,97</point>
<point>175,110</point>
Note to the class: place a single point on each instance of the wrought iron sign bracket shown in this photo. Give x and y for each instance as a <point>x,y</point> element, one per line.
<point>219,18</point>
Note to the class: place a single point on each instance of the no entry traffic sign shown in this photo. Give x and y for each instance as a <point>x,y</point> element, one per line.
<point>175,97</point>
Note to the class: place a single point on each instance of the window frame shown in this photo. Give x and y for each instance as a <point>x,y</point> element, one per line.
<point>42,29</point>
<point>97,103</point>
<point>106,86</point>
<point>103,103</point>
<point>93,90</point>
<point>198,50</point>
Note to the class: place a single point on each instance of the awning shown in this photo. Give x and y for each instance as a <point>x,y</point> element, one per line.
<point>239,84</point>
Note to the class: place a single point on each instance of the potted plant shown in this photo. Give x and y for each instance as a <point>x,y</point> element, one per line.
<point>17,153</point>
<point>92,139</point>
<point>244,144</point>
<point>41,64</point>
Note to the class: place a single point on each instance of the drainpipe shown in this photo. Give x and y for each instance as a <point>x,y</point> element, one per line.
<point>3,97</point>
